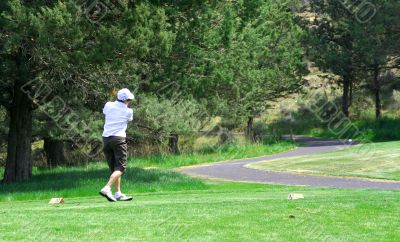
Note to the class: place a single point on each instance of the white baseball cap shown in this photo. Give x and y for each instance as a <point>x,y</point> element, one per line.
<point>124,94</point>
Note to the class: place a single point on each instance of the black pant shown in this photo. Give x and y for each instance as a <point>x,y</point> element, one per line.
<point>115,150</point>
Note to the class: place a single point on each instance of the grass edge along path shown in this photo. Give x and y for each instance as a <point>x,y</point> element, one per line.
<point>382,163</point>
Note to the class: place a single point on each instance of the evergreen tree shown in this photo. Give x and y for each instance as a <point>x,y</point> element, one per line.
<point>377,44</point>
<point>353,49</point>
<point>332,46</point>
<point>247,55</point>
<point>50,44</point>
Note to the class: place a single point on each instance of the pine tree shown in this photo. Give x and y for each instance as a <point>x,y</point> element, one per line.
<point>377,44</point>
<point>51,46</point>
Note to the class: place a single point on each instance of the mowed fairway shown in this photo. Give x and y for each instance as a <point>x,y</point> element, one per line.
<point>375,160</point>
<point>170,206</point>
<point>223,212</point>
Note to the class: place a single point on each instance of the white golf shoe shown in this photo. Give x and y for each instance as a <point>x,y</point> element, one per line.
<point>106,192</point>
<point>122,197</point>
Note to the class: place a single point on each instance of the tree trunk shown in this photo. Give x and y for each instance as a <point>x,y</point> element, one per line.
<point>250,129</point>
<point>173,143</point>
<point>19,161</point>
<point>55,153</point>
<point>377,90</point>
<point>351,93</point>
<point>345,96</point>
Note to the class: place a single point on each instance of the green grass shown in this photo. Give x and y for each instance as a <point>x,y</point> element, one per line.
<point>363,130</point>
<point>88,179</point>
<point>374,160</point>
<point>169,206</point>
<point>223,212</point>
<point>227,152</point>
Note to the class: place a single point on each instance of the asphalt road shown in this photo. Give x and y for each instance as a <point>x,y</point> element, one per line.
<point>236,171</point>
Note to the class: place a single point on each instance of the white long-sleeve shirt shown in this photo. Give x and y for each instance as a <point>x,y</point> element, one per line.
<point>117,116</point>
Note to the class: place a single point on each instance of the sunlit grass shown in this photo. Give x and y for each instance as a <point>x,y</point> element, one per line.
<point>169,206</point>
<point>374,160</point>
<point>222,212</point>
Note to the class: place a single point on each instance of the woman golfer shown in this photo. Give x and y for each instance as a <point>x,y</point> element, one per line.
<point>117,115</point>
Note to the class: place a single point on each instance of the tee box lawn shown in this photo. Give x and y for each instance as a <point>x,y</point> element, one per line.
<point>169,206</point>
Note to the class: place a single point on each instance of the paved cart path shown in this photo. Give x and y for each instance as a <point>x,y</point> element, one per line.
<point>235,170</point>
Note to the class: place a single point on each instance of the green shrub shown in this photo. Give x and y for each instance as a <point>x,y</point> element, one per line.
<point>385,129</point>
